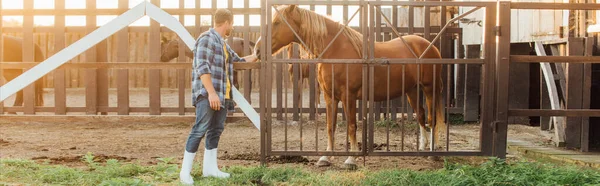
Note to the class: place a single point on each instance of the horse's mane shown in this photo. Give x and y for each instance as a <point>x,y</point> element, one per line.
<point>315,32</point>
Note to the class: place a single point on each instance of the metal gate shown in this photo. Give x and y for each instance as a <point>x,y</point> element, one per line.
<point>298,135</point>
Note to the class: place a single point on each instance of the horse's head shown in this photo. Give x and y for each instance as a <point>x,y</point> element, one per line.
<point>169,49</point>
<point>282,34</point>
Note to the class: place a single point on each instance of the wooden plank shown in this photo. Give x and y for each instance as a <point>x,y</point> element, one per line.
<point>586,97</point>
<point>123,65</point>
<point>574,93</point>
<point>91,83</point>
<point>181,72</point>
<point>60,99</point>
<point>103,78</point>
<point>28,56</point>
<point>558,122</point>
<point>154,74</point>
<point>123,74</point>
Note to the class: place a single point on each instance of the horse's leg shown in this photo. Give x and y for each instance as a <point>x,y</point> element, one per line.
<point>350,109</point>
<point>11,74</point>
<point>412,100</point>
<point>331,124</point>
<point>318,89</point>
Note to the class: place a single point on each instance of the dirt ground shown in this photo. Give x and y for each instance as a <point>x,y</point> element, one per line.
<point>66,143</point>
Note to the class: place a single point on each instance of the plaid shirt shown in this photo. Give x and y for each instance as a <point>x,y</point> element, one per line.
<point>209,58</point>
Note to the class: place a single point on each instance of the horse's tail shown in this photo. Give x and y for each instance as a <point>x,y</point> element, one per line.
<point>440,115</point>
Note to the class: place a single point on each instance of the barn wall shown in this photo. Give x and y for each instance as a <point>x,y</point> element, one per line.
<point>526,25</point>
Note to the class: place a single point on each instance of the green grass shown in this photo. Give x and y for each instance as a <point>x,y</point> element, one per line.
<point>492,172</point>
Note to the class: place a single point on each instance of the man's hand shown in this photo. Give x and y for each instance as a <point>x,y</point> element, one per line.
<point>215,103</point>
<point>213,98</point>
<point>251,58</point>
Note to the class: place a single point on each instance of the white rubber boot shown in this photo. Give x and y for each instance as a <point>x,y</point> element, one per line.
<point>186,168</point>
<point>209,166</point>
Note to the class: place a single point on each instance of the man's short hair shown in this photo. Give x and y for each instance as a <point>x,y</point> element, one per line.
<point>223,15</point>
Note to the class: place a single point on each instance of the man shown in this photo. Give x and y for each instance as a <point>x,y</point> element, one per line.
<point>211,94</point>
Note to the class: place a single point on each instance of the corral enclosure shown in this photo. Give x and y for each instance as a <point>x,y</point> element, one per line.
<point>107,80</point>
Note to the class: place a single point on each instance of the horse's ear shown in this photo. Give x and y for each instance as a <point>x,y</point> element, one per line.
<point>292,8</point>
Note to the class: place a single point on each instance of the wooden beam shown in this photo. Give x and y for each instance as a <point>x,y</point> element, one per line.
<point>574,75</point>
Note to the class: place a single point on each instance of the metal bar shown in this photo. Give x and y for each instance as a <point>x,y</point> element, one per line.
<point>554,6</point>
<point>396,32</point>
<point>549,112</point>
<point>488,109</point>
<point>285,108</point>
<point>263,115</point>
<point>432,3</point>
<point>422,153</point>
<point>444,28</point>
<point>554,59</point>
<point>191,29</point>
<point>371,84</point>
<point>365,73</point>
<point>315,2</point>
<point>2,56</point>
<point>502,71</point>
<point>427,153</point>
<point>337,35</point>
<point>384,61</point>
<point>427,24</point>
<point>267,81</point>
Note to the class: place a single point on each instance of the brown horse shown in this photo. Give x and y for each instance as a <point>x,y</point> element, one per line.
<point>13,52</point>
<point>170,50</point>
<point>317,31</point>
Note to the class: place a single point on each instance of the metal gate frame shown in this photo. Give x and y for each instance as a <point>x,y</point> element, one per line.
<point>489,137</point>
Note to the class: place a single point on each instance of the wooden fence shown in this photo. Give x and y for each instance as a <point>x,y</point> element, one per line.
<point>111,65</point>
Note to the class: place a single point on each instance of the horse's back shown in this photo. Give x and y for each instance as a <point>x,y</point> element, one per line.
<point>396,48</point>
<point>12,51</point>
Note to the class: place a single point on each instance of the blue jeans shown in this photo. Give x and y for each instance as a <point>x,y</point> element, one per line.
<point>209,122</point>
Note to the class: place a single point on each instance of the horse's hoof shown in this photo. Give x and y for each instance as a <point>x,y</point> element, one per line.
<point>350,166</point>
<point>323,163</point>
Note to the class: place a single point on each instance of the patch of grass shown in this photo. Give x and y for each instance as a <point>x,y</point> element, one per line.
<point>457,119</point>
<point>386,123</point>
<point>491,172</point>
